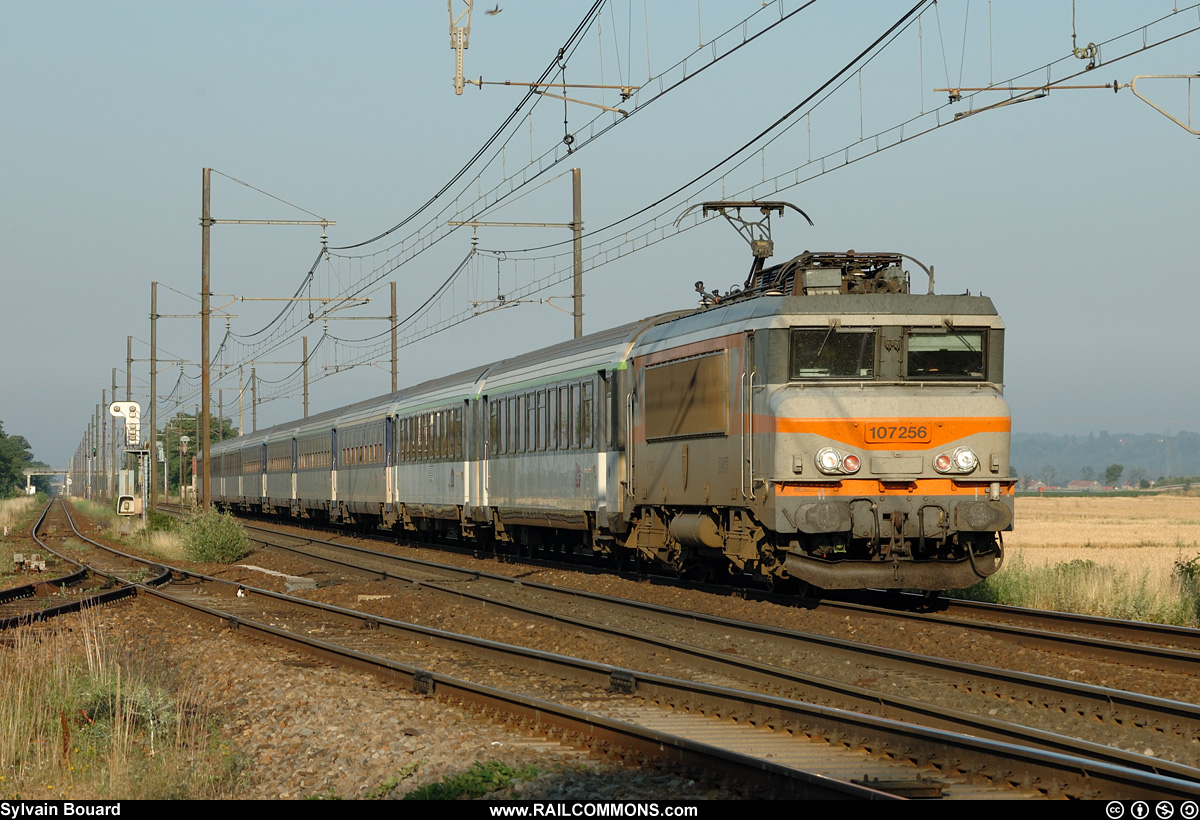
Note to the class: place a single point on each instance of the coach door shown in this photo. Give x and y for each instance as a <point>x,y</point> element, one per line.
<point>489,425</point>
<point>389,439</point>
<point>333,469</point>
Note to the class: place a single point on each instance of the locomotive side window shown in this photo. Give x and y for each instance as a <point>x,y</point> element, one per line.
<point>957,354</point>
<point>832,354</point>
<point>688,397</point>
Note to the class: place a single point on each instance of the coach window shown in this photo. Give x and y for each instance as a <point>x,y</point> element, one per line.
<point>575,410</point>
<point>564,417</point>
<point>501,444</point>
<point>543,421</point>
<point>832,353</point>
<point>585,414</point>
<point>950,354</point>
<point>513,415</point>
<point>531,418</point>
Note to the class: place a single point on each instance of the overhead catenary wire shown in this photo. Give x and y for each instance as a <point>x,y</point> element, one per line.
<point>502,192</point>
<point>903,137</point>
<point>757,137</point>
<point>571,43</point>
<point>305,282</point>
<point>687,76</point>
<point>769,128</point>
<point>530,96</point>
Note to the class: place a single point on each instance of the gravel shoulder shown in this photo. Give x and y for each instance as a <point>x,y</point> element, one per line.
<point>301,728</point>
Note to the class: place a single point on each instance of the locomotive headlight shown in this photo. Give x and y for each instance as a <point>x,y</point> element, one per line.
<point>832,462</point>
<point>962,460</point>
<point>828,460</point>
<point>965,459</point>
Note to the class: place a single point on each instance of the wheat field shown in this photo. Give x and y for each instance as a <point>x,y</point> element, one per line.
<point>1125,557</point>
<point>1129,534</point>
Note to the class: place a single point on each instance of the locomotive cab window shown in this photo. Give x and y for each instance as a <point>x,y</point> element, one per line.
<point>953,354</point>
<point>832,353</point>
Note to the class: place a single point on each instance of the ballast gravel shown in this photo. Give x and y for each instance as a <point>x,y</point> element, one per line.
<point>304,729</point>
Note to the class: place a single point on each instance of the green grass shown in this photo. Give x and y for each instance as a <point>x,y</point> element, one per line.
<point>215,537</point>
<point>393,782</point>
<point>1089,588</point>
<point>475,782</point>
<point>161,522</point>
<point>104,515</point>
<point>85,715</point>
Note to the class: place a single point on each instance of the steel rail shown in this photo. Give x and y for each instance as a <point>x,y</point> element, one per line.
<point>1167,716</point>
<point>1002,762</point>
<point>124,588</point>
<point>592,730</point>
<point>1092,637</point>
<point>31,590</point>
<point>1092,647</point>
<point>1166,635</point>
<point>810,688</point>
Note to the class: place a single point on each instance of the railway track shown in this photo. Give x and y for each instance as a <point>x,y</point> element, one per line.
<point>729,673</point>
<point>1152,646</point>
<point>88,574</point>
<point>1137,644</point>
<point>902,685</point>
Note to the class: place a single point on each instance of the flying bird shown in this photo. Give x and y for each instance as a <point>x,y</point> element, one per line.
<point>494,11</point>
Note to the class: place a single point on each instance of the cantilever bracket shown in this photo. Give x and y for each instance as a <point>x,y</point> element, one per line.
<point>1189,77</point>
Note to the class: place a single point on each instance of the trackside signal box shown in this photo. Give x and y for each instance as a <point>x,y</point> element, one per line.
<point>129,505</point>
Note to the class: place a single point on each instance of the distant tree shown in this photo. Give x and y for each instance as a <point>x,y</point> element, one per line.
<point>15,455</point>
<point>184,424</point>
<point>1137,476</point>
<point>1049,474</point>
<point>1088,473</point>
<point>1112,474</point>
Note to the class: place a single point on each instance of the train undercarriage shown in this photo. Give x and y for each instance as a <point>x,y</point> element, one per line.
<point>716,544</point>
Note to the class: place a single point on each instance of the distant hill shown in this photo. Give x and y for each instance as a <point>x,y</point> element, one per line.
<point>1070,457</point>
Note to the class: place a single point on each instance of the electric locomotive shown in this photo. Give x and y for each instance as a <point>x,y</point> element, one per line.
<point>827,425</point>
<point>822,425</point>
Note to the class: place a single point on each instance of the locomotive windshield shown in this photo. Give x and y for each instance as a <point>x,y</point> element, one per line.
<point>917,354</point>
<point>832,354</point>
<point>954,354</point>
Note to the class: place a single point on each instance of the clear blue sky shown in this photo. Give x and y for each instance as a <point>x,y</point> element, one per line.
<point>1071,212</point>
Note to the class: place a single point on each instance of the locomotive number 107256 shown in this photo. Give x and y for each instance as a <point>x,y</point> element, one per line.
<point>897,432</point>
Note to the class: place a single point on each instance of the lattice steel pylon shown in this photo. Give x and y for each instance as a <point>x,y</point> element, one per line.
<point>460,38</point>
